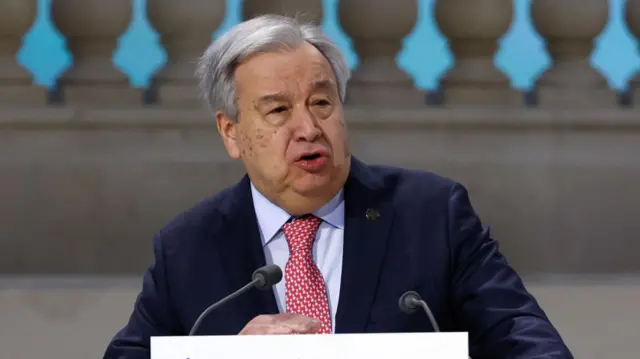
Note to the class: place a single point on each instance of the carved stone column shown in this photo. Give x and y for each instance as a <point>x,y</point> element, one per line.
<point>473,28</point>
<point>377,29</point>
<point>186,28</point>
<point>92,29</point>
<point>569,28</point>
<point>304,10</point>
<point>633,22</point>
<point>16,82</point>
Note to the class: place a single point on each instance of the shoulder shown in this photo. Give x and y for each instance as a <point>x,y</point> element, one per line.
<point>199,222</point>
<point>429,194</point>
<point>418,190</point>
<point>414,184</point>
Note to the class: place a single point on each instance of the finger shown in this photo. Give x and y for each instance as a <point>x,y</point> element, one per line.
<point>266,329</point>
<point>291,322</point>
<point>271,319</point>
<point>301,324</point>
<point>264,319</point>
<point>282,317</point>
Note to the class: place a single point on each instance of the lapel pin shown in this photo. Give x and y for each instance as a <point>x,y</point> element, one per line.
<point>372,214</point>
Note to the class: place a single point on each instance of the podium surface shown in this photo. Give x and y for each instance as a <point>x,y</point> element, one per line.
<point>337,346</point>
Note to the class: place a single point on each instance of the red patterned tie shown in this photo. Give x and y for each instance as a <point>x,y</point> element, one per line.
<point>306,293</point>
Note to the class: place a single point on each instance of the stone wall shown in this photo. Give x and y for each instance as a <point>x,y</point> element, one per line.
<point>83,190</point>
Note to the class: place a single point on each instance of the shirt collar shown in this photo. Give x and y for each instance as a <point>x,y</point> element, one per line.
<point>271,218</point>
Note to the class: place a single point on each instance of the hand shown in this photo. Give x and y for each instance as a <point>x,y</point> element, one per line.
<point>283,323</point>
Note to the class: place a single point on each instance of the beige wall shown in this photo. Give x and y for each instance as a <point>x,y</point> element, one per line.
<point>75,318</point>
<point>82,191</point>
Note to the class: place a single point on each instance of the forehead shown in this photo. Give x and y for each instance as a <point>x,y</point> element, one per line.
<point>275,71</point>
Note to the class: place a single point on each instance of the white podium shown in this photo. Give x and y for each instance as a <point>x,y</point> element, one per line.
<point>337,346</point>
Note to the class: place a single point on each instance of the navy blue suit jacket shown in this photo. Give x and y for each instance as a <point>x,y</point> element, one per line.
<point>427,239</point>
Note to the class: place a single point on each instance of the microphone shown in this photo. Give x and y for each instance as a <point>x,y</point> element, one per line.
<point>263,278</point>
<point>410,302</point>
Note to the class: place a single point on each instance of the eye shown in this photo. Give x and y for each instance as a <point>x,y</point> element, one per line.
<point>321,102</point>
<point>279,109</point>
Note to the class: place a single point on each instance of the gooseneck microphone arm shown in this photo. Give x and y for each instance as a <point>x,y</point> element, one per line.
<point>263,278</point>
<point>218,304</point>
<point>410,302</point>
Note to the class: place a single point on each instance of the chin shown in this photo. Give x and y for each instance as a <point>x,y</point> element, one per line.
<point>313,184</point>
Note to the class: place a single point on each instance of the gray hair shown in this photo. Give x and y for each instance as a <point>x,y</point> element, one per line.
<point>265,33</point>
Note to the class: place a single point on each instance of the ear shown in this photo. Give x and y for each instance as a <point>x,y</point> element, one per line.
<point>227,129</point>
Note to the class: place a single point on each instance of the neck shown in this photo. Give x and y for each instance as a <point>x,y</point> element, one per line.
<point>298,205</point>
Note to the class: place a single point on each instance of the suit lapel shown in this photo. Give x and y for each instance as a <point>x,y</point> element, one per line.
<point>241,251</point>
<point>368,219</point>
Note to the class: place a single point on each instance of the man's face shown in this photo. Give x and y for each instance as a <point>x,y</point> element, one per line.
<point>290,132</point>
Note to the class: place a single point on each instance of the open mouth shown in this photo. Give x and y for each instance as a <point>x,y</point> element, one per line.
<point>310,157</point>
<point>313,162</point>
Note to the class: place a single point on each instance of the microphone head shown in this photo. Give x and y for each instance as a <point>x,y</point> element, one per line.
<point>267,276</point>
<point>408,302</point>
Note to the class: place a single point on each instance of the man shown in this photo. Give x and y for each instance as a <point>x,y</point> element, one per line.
<point>351,238</point>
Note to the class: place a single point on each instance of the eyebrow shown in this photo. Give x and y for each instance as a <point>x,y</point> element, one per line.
<point>283,96</point>
<point>322,85</point>
<point>274,97</point>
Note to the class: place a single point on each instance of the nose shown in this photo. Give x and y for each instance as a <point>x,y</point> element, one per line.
<point>307,126</point>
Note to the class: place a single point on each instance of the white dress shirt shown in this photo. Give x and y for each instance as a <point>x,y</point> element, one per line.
<point>327,248</point>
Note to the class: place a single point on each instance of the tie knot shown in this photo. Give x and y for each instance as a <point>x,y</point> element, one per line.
<point>301,232</point>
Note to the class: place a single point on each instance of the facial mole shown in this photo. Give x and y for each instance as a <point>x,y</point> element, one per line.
<point>246,139</point>
<point>260,137</point>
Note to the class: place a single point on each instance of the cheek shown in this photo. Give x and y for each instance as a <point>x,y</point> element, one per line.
<point>337,134</point>
<point>263,138</point>
<point>245,144</point>
<point>271,144</point>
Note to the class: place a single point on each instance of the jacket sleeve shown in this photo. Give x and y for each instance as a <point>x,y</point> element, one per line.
<point>490,301</point>
<point>151,316</point>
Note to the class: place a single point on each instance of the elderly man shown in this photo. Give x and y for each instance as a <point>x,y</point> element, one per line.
<point>350,237</point>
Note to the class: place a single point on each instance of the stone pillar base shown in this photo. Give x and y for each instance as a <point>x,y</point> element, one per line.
<point>385,95</point>
<point>635,98</point>
<point>634,91</point>
<point>487,96</point>
<point>102,95</point>
<point>558,97</point>
<point>178,95</point>
<point>22,95</point>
